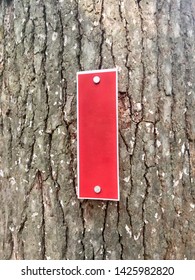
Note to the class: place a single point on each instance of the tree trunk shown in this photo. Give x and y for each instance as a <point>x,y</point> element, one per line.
<point>42,46</point>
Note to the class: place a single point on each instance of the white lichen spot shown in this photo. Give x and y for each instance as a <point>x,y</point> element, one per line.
<point>153,230</point>
<point>158,143</point>
<point>96,23</point>
<point>108,42</point>
<point>184,110</point>
<point>119,68</point>
<point>62,204</point>
<point>138,107</point>
<point>163,210</point>
<point>136,237</point>
<point>183,148</point>
<point>185,171</point>
<point>65,40</point>
<point>156,131</point>
<point>180,175</point>
<point>54,36</point>
<point>40,132</point>
<point>151,112</point>
<point>126,179</point>
<point>172,196</point>
<point>12,181</point>
<point>146,222</point>
<point>35,214</point>
<point>192,205</point>
<point>156,215</point>
<point>167,154</point>
<point>38,226</point>
<point>189,84</point>
<point>143,157</point>
<point>175,183</point>
<point>179,213</point>
<point>1,173</point>
<point>131,144</point>
<point>12,229</point>
<point>41,36</point>
<point>56,93</point>
<point>128,230</point>
<point>73,203</point>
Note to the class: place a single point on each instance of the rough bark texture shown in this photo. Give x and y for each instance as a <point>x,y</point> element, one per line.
<point>42,46</point>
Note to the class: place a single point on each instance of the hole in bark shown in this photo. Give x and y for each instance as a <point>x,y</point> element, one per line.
<point>8,112</point>
<point>8,2</point>
<point>121,93</point>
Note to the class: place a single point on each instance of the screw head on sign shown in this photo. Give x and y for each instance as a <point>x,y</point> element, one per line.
<point>97,189</point>
<point>96,79</point>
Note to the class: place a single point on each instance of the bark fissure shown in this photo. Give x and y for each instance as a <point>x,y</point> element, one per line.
<point>102,34</point>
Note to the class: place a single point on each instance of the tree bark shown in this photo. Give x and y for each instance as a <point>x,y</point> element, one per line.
<point>42,46</point>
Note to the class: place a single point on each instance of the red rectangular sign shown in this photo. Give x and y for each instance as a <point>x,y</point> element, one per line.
<point>97,130</point>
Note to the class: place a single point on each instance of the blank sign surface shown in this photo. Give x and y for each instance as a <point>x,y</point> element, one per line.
<point>97,131</point>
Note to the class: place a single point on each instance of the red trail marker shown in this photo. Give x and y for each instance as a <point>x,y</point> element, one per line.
<point>97,135</point>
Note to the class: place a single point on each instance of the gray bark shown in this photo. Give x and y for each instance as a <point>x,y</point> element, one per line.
<point>42,46</point>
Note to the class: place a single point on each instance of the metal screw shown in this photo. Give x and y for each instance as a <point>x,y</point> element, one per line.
<point>97,189</point>
<point>96,79</point>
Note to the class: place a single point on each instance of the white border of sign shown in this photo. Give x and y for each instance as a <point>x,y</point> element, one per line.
<point>117,142</point>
